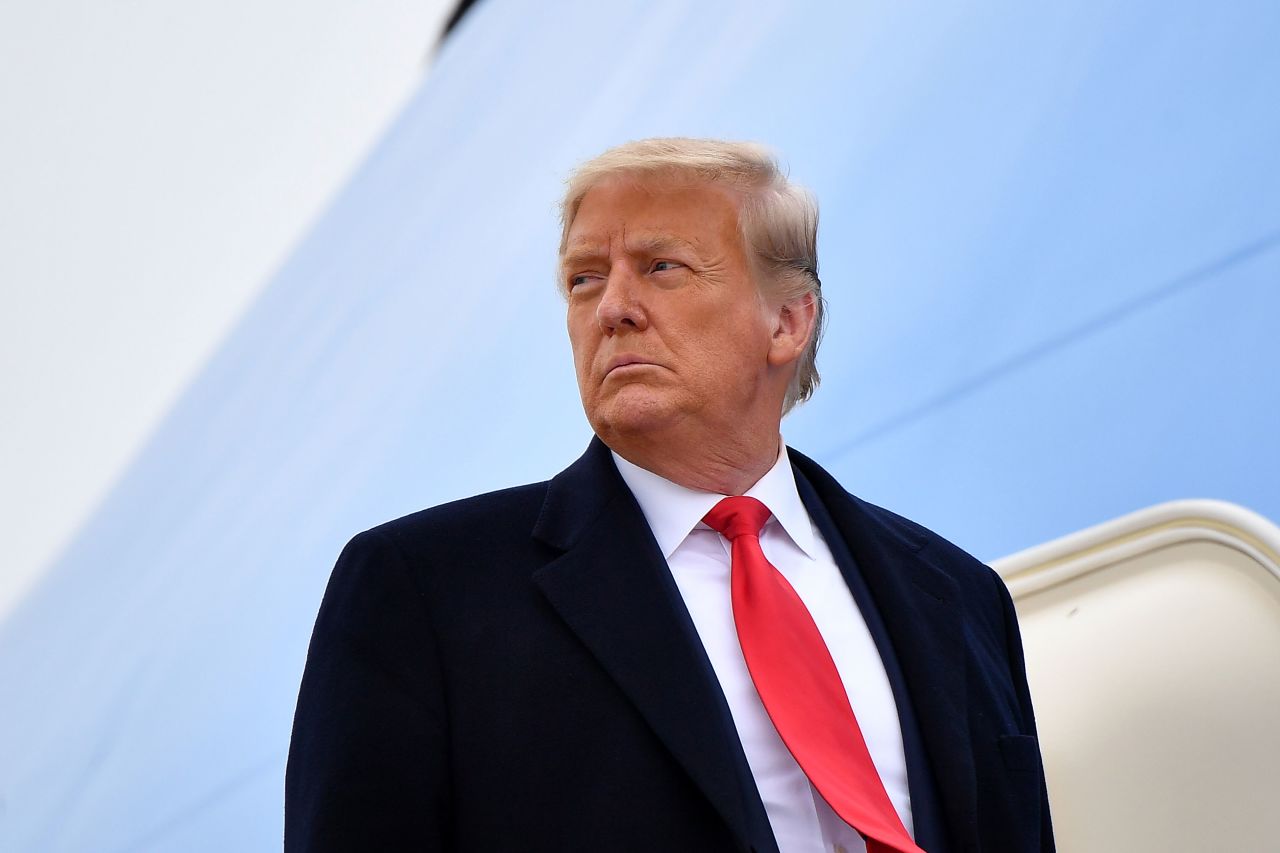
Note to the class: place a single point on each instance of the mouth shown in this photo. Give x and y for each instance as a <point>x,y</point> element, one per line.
<point>626,363</point>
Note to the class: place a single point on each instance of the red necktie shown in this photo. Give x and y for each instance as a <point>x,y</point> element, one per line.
<point>799,685</point>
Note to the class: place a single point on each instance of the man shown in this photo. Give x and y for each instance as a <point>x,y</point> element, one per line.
<point>690,639</point>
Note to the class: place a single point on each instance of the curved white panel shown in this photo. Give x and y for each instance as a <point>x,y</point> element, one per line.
<point>1153,651</point>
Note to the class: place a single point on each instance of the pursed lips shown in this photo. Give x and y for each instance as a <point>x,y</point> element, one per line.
<point>622,361</point>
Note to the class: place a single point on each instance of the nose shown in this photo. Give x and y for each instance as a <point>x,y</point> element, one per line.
<point>621,307</point>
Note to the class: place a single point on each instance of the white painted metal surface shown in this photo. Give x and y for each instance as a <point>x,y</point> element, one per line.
<point>1153,650</point>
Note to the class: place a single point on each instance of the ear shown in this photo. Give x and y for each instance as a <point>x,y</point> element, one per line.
<point>792,329</point>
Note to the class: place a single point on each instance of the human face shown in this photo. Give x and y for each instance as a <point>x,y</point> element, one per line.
<point>668,328</point>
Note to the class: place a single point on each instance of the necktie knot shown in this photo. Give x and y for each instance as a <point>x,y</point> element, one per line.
<point>737,516</point>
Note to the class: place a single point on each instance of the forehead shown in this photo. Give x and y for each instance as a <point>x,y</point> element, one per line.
<point>696,212</point>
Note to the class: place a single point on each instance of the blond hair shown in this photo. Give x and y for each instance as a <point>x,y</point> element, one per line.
<point>778,219</point>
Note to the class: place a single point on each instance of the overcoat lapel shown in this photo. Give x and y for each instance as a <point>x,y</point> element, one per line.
<point>916,600</point>
<point>613,589</point>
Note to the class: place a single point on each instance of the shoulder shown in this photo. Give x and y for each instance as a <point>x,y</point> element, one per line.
<point>988,617</point>
<point>944,568</point>
<point>463,530</point>
<point>971,575</point>
<point>867,519</point>
<point>963,584</point>
<point>493,513</point>
<point>479,542</point>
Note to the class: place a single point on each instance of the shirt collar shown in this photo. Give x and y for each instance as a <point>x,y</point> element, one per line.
<point>673,511</point>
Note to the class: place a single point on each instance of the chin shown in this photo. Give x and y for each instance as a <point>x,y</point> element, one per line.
<point>632,415</point>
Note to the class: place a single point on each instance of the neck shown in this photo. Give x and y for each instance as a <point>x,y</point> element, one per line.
<point>727,466</point>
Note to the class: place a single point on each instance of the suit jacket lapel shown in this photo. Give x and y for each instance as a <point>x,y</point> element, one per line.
<point>613,589</point>
<point>915,599</point>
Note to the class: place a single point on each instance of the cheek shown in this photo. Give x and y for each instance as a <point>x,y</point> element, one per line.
<point>579,336</point>
<point>740,344</point>
<point>584,356</point>
<point>581,361</point>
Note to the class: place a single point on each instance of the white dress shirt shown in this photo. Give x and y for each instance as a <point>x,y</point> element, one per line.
<point>699,560</point>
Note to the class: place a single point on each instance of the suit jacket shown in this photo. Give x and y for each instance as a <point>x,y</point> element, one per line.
<point>517,671</point>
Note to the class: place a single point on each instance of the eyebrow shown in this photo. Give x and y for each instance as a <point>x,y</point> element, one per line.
<point>651,244</point>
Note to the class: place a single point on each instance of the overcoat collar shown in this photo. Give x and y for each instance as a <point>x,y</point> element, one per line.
<point>612,588</point>
<point>918,602</point>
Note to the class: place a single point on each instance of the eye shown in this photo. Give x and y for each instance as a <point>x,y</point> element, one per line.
<point>663,266</point>
<point>581,278</point>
